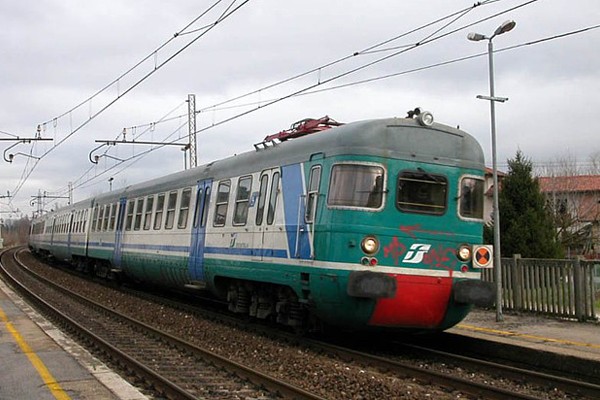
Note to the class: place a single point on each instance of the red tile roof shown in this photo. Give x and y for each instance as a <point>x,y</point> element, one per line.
<point>562,184</point>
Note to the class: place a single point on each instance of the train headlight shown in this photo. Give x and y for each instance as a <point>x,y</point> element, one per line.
<point>464,253</point>
<point>369,245</point>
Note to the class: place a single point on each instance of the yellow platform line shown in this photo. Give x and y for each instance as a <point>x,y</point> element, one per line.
<point>526,336</point>
<point>37,363</point>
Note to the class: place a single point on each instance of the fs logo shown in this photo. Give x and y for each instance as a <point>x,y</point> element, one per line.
<point>416,253</point>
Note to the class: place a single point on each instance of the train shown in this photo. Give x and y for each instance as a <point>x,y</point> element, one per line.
<point>371,225</point>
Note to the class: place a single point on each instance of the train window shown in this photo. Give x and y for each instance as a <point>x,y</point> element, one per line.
<point>139,207</point>
<point>148,212</point>
<point>221,203</point>
<point>356,185</point>
<point>471,198</point>
<point>197,211</point>
<point>260,210</point>
<point>106,217</point>
<point>129,221</point>
<point>171,207</point>
<point>313,194</point>
<point>160,204</point>
<point>421,192</point>
<point>100,216</point>
<point>242,200</point>
<point>113,216</point>
<point>85,216</point>
<point>94,217</point>
<point>205,210</point>
<point>184,208</point>
<point>273,199</point>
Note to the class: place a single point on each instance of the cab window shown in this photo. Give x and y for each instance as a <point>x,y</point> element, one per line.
<point>421,192</point>
<point>356,185</point>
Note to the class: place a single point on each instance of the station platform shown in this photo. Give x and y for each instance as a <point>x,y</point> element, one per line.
<point>40,362</point>
<point>579,340</point>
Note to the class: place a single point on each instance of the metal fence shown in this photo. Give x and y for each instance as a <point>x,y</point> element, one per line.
<point>563,288</point>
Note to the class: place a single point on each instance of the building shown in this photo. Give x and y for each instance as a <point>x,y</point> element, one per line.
<point>575,203</point>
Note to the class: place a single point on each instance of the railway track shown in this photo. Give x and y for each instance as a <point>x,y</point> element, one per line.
<point>456,385</point>
<point>171,366</point>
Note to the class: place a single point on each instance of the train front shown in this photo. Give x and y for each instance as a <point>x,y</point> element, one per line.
<point>406,214</point>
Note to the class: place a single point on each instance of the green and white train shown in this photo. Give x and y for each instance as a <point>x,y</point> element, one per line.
<point>369,225</point>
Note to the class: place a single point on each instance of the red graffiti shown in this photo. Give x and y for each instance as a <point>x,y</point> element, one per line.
<point>439,257</point>
<point>395,250</point>
<point>411,229</point>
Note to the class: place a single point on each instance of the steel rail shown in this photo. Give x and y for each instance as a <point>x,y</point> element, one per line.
<point>439,378</point>
<point>258,378</point>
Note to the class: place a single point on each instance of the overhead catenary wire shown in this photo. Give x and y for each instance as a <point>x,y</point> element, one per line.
<point>453,17</point>
<point>230,10</point>
<point>430,66</point>
<point>427,39</point>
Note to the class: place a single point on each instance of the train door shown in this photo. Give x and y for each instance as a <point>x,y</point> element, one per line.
<point>196,260</point>
<point>119,232</point>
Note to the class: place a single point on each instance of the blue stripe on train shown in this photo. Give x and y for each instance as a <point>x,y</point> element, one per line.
<point>277,253</point>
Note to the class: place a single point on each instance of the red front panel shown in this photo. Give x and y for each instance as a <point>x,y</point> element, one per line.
<point>420,301</point>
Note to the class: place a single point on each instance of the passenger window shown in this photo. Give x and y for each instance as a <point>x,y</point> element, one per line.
<point>273,199</point>
<point>184,208</point>
<point>160,204</point>
<point>129,223</point>
<point>113,216</point>
<point>106,217</point>
<point>313,194</point>
<point>171,207</point>
<point>94,218</point>
<point>100,217</point>
<point>356,185</point>
<point>221,203</point>
<point>421,192</point>
<point>242,200</point>
<point>138,214</point>
<point>471,198</point>
<point>148,213</point>
<point>262,197</point>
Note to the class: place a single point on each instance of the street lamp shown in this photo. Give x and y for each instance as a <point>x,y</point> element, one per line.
<point>505,27</point>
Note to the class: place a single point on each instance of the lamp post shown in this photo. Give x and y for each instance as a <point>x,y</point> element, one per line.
<point>505,27</point>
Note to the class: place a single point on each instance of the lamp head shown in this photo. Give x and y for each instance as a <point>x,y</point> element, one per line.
<point>505,27</point>
<point>476,37</point>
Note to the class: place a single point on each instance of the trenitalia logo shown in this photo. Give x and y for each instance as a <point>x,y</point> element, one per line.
<point>416,253</point>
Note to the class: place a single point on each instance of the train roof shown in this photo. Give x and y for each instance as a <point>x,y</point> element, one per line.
<point>398,138</point>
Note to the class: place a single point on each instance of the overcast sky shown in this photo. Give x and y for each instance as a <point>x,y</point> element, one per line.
<point>57,54</point>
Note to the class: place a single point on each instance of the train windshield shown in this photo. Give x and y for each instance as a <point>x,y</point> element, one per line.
<point>356,185</point>
<point>421,192</point>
